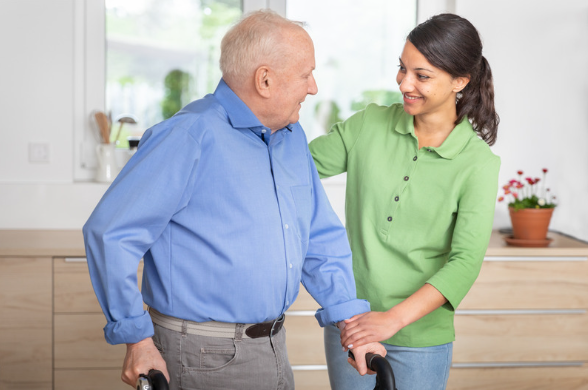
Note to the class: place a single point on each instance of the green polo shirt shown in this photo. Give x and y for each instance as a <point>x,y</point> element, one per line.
<point>413,216</point>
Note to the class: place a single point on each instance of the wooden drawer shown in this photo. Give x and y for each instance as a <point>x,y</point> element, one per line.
<point>25,324</point>
<point>519,378</point>
<point>110,379</point>
<point>304,340</point>
<point>530,285</point>
<point>73,292</point>
<point>72,287</point>
<point>521,338</point>
<point>304,301</point>
<point>90,379</point>
<point>79,343</point>
<point>311,379</point>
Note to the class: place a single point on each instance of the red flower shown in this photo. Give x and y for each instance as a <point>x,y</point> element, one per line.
<point>515,195</point>
<point>520,185</point>
<point>529,180</point>
<point>520,172</point>
<point>501,199</point>
<point>537,180</point>
<point>544,170</point>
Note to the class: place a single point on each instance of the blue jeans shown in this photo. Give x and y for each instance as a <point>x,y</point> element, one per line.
<point>414,368</point>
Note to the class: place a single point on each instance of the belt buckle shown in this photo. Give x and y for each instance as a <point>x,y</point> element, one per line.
<point>276,321</point>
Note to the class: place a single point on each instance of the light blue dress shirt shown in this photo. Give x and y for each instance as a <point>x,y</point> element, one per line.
<point>228,225</point>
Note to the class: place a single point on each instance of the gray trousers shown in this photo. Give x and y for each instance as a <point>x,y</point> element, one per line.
<point>197,362</point>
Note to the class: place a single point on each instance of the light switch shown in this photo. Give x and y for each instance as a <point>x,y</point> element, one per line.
<point>39,152</point>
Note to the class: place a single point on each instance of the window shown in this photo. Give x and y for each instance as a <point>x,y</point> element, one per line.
<point>357,46</point>
<point>160,56</point>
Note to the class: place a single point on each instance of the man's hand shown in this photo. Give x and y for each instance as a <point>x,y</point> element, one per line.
<point>359,363</point>
<point>140,358</point>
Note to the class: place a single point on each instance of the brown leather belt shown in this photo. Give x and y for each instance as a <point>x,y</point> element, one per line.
<point>217,329</point>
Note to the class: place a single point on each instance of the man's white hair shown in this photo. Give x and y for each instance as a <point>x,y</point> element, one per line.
<point>254,41</point>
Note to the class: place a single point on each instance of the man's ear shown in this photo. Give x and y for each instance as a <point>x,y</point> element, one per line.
<point>459,83</point>
<point>263,81</point>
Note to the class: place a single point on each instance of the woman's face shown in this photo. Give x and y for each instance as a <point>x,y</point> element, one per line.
<point>425,88</point>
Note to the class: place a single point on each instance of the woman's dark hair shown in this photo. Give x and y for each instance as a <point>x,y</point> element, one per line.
<point>452,43</point>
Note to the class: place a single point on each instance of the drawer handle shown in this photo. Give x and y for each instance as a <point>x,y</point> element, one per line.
<point>76,260</point>
<point>301,313</point>
<point>315,367</point>
<point>535,258</point>
<point>517,312</point>
<point>517,364</point>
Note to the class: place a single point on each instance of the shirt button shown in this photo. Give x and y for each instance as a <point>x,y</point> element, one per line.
<point>429,150</point>
<point>286,226</point>
<point>389,219</point>
<point>290,265</point>
<point>277,187</point>
<point>287,302</point>
<point>405,178</point>
<point>397,199</point>
<point>414,158</point>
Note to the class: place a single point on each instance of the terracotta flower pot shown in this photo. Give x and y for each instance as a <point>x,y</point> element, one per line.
<point>530,224</point>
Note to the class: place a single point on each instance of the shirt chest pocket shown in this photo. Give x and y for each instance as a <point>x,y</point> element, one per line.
<point>302,196</point>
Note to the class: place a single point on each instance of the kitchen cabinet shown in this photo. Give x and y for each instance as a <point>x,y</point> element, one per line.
<point>524,324</point>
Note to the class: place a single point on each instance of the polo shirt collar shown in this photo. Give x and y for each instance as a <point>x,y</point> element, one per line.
<point>453,144</point>
<point>240,116</point>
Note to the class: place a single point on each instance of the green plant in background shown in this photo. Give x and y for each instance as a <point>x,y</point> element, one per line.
<point>177,90</point>
<point>326,113</point>
<point>379,96</point>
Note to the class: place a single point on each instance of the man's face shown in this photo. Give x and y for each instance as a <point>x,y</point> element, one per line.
<point>294,80</point>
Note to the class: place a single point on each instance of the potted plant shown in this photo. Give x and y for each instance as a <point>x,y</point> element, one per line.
<point>531,206</point>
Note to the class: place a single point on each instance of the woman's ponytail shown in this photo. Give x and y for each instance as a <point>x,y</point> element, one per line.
<point>477,103</point>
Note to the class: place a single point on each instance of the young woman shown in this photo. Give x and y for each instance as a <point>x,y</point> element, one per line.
<point>421,188</point>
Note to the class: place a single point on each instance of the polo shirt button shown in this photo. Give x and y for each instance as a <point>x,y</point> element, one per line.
<point>405,178</point>
<point>389,219</point>
<point>414,158</point>
<point>286,226</point>
<point>429,150</point>
<point>397,199</point>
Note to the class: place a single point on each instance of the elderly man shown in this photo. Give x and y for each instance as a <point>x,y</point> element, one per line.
<point>224,204</point>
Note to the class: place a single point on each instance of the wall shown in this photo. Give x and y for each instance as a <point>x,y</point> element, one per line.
<point>538,52</point>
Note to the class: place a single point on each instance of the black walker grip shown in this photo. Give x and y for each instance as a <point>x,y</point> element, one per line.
<point>384,374</point>
<point>156,381</point>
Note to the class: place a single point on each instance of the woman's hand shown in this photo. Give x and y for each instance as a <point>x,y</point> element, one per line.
<point>369,327</point>
<point>378,326</point>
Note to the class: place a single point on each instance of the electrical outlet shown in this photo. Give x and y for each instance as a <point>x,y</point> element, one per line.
<point>39,152</point>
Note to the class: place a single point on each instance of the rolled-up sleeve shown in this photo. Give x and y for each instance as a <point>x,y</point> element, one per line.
<point>131,215</point>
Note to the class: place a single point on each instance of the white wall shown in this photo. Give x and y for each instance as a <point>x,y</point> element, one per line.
<point>538,52</point>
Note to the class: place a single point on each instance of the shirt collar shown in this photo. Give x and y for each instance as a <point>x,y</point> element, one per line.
<point>453,144</point>
<point>239,114</point>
